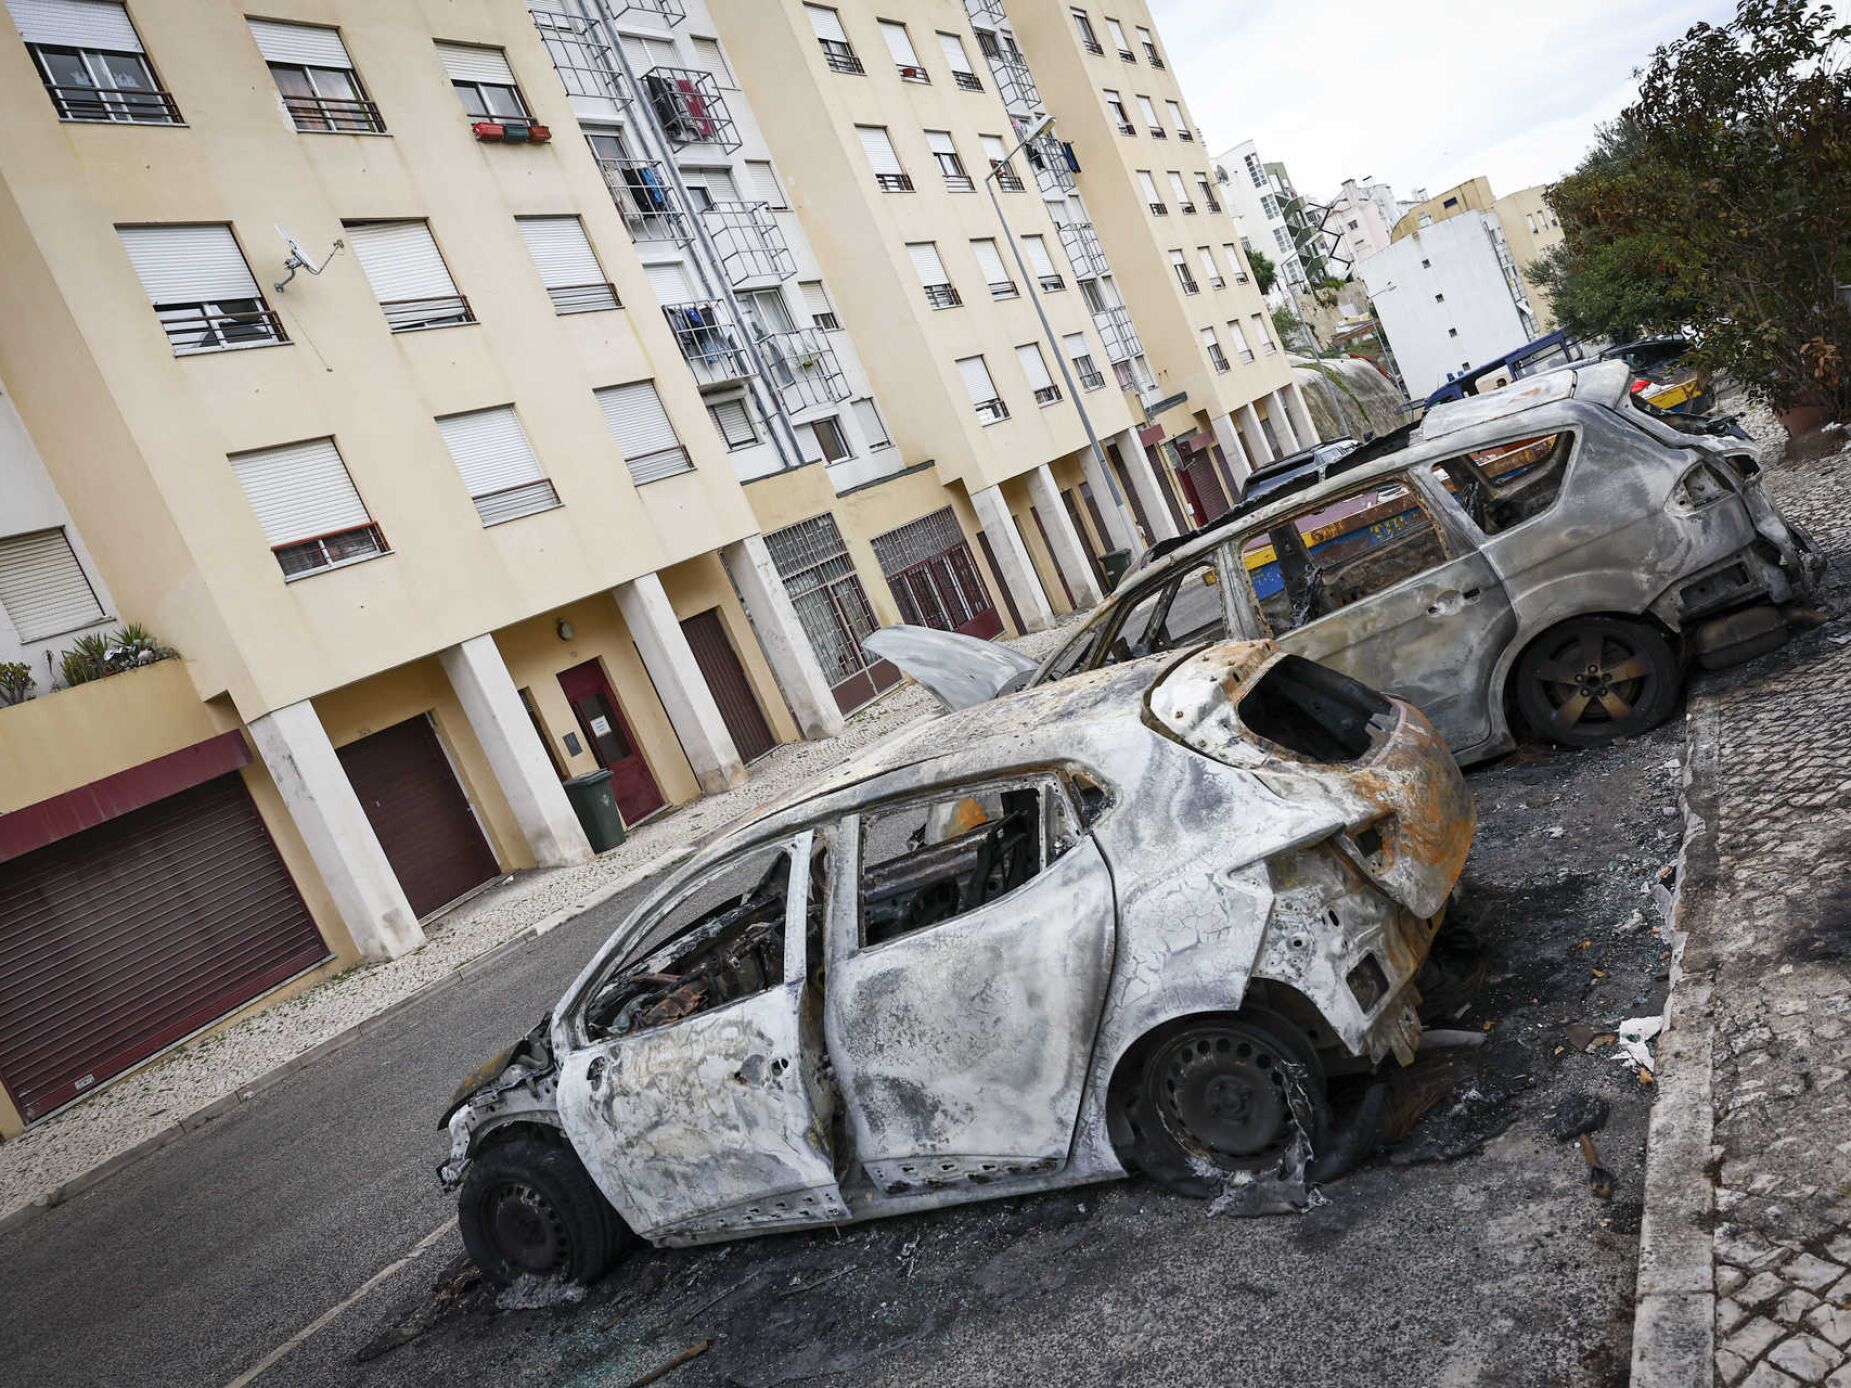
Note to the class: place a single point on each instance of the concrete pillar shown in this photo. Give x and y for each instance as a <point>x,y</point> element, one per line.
<point>321,801</point>
<point>1282,422</point>
<point>1017,569</point>
<point>1149,486</point>
<point>1256,436</point>
<point>1229,438</point>
<point>522,769</point>
<point>781,637</point>
<point>1301,415</point>
<point>680,684</point>
<point>1069,549</point>
<point>1120,528</point>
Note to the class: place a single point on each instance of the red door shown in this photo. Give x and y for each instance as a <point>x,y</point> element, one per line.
<point>727,681</point>
<point>602,723</point>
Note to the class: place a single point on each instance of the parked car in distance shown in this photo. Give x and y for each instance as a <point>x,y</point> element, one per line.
<point>1139,920</point>
<point>1545,556</point>
<point>1661,374</point>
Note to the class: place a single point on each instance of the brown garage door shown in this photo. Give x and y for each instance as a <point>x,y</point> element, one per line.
<point>123,938</point>
<point>422,818</point>
<point>731,689</point>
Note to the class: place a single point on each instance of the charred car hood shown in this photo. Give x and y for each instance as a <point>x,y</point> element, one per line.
<point>533,1054</point>
<point>960,671</point>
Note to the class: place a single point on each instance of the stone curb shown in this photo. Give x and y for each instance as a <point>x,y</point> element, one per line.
<point>1674,1314</point>
<point>340,1040</point>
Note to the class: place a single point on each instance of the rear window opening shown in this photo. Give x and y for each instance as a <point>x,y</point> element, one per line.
<point>1314,711</point>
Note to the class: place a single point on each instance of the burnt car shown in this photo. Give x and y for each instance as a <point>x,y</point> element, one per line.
<point>1548,556</point>
<point>1144,919</point>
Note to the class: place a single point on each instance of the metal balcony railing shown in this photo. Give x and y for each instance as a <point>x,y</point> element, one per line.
<point>1006,177</point>
<point>1088,373</point>
<point>1217,358</point>
<point>689,108</point>
<point>1014,82</point>
<point>1150,51</point>
<point>669,10</point>
<point>840,57</point>
<point>644,195</point>
<point>894,182</point>
<point>992,411</point>
<point>1084,252</point>
<point>1047,156</point>
<point>1047,395</point>
<point>710,341</point>
<point>750,244</point>
<point>966,81</point>
<point>1186,208</point>
<point>804,369</point>
<point>1187,281</point>
<point>153,107</point>
<point>943,296</point>
<point>988,12</point>
<point>1157,132</point>
<point>216,328</point>
<point>1115,330</point>
<point>582,59</point>
<point>441,311</point>
<point>345,115</point>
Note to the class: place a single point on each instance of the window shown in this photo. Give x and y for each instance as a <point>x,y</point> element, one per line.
<point>1115,104</point>
<point>993,150</point>
<point>43,589</point>
<point>91,61</point>
<point>1339,552</point>
<point>1450,202</point>
<point>900,45</point>
<point>483,81</point>
<point>1151,123</point>
<point>568,267</point>
<point>1149,41</point>
<point>1119,41</point>
<point>306,504</point>
<point>1439,298</point>
<point>1207,189</point>
<point>709,59</point>
<point>497,464</point>
<point>1153,199</point>
<point>959,62</point>
<point>816,303</point>
<point>408,275</point>
<point>1035,367</point>
<point>943,856</point>
<point>1237,260</point>
<point>873,427</point>
<point>990,408</point>
<point>1042,263</point>
<point>1183,277</point>
<point>929,566</point>
<point>823,441</point>
<point>1212,345</point>
<point>1184,610</point>
<point>837,52</point>
<point>1177,122</point>
<point>733,418</point>
<point>945,152</point>
<point>320,89</point>
<point>1088,39</point>
<point>1127,378</point>
<point>1081,355</point>
<point>762,183</point>
<point>990,263</point>
<point>1206,254</point>
<point>939,291</point>
<point>1239,336</point>
<point>1181,189</point>
<point>634,415</point>
<point>831,604</point>
<point>1256,173</point>
<point>1270,206</point>
<point>201,289</point>
<point>889,177</point>
<point>1267,344</point>
<point>1502,487</point>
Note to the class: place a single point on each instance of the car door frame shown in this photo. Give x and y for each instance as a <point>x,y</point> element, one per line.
<point>1237,622</point>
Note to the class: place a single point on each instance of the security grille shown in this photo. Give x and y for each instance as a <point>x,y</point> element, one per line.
<point>827,593</point>
<point>929,566</point>
<point>689,108</point>
<point>584,62</point>
<point>750,244</point>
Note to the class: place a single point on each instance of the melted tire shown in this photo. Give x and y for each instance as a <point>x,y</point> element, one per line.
<point>530,1209</point>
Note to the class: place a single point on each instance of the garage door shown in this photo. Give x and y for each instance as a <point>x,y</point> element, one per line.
<point>422,818</point>
<point>727,681</point>
<point>121,939</point>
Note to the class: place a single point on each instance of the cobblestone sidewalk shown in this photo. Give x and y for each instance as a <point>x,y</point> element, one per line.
<point>1773,950</point>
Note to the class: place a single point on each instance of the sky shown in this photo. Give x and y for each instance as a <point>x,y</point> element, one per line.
<point>1419,93</point>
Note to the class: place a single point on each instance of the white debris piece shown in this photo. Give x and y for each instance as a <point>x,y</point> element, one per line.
<point>1634,1033</point>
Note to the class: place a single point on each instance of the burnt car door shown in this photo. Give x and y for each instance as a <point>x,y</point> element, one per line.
<point>697,1098</point>
<point>969,954</point>
<point>1380,583</point>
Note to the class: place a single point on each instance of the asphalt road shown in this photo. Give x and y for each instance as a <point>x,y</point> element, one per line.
<point>1469,1252</point>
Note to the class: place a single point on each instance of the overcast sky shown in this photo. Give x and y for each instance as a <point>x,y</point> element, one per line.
<point>1417,92</point>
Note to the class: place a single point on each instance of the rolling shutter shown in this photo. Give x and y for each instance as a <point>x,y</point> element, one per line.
<point>560,251</point>
<point>734,422</point>
<point>42,586</point>
<point>308,44</point>
<point>1176,116</point>
<point>497,464</point>
<point>189,264</point>
<point>469,63</point>
<point>1038,255</point>
<point>879,149</point>
<point>1075,345</point>
<point>670,283</point>
<point>1033,366</point>
<point>990,261</point>
<point>925,260</point>
<point>815,298</point>
<point>1178,187</point>
<point>762,183</point>
<point>873,428</point>
<point>1207,255</point>
<point>954,52</point>
<point>977,380</point>
<point>400,260</point>
<point>95,24</point>
<point>1149,185</point>
<point>643,431</point>
<point>993,149</point>
<point>300,491</point>
<point>899,43</point>
<point>940,142</point>
<point>827,23</point>
<point>1149,112</point>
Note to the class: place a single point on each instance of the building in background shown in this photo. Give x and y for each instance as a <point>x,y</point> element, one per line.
<point>1529,228</point>
<point>1363,216</point>
<point>1268,213</point>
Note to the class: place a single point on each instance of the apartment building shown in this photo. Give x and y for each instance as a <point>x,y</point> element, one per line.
<point>329,358</point>
<point>1362,216</point>
<point>1527,226</point>
<point>1258,194</point>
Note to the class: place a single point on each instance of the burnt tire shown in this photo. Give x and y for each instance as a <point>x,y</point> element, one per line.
<point>529,1208</point>
<point>1222,1096</point>
<point>1593,680</point>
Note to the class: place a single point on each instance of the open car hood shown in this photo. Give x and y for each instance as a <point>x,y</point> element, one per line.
<point>959,670</point>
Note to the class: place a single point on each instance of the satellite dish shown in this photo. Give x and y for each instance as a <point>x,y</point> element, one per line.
<point>299,259</point>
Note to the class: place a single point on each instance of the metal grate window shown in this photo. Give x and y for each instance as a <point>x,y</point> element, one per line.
<point>827,593</point>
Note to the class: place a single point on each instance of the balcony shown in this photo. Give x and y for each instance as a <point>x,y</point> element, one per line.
<point>1120,338</point>
<point>989,13</point>
<point>709,340</point>
<point>943,296</point>
<point>646,198</point>
<point>1014,83</point>
<point>750,244</point>
<point>803,368</point>
<point>840,57</point>
<point>583,60</point>
<point>138,107</point>
<point>670,11</point>
<point>688,106</point>
<point>1049,159</point>
<point>1085,253</point>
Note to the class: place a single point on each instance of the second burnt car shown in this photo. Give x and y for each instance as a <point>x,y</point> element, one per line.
<point>1145,919</point>
<point>1546,556</point>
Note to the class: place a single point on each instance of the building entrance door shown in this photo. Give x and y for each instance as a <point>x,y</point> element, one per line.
<point>601,721</point>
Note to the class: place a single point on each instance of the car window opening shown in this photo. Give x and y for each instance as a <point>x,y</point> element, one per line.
<point>931,861</point>
<point>1312,710</point>
<point>1502,487</point>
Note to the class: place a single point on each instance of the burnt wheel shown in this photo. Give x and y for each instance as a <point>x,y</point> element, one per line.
<point>1595,679</point>
<point>1220,1097</point>
<point>530,1209</point>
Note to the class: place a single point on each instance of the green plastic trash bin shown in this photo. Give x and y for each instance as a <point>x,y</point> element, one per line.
<point>596,806</point>
<point>1114,562</point>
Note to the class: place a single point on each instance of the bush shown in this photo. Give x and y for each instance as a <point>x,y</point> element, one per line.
<point>15,682</point>
<point>110,653</point>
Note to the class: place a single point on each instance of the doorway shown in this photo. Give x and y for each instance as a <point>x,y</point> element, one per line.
<point>602,724</point>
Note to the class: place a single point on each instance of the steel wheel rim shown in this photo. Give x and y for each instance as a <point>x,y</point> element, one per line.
<point>527,1230</point>
<point>1223,1094</point>
<point>1594,678</point>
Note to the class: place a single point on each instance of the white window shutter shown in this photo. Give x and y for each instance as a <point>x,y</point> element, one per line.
<point>899,43</point>
<point>879,149</point>
<point>1178,187</point>
<point>96,24</point>
<point>560,251</point>
<point>873,427</point>
<point>400,260</point>
<point>43,590</point>
<point>1149,185</point>
<point>1207,254</point>
<point>1074,344</point>
<point>955,56</point>
<point>497,463</point>
<point>311,45</point>
<point>940,142</point>
<point>1239,336</point>
<point>1149,112</point>
<point>1038,255</point>
<point>763,183</point>
<point>300,491</point>
<point>993,147</point>
<point>925,260</point>
<point>990,262</point>
<point>189,264</point>
<point>977,380</point>
<point>815,297</point>
<point>827,23</point>
<point>1176,115</point>
<point>471,63</point>
<point>1033,366</point>
<point>670,283</point>
<point>644,434</point>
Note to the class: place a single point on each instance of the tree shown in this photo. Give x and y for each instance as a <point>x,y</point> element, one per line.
<point>1716,203</point>
<point>1263,272</point>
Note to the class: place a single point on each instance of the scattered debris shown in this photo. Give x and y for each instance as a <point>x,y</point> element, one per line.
<point>1599,1179</point>
<point>692,1352</point>
<point>1578,1114</point>
<point>1634,1033</point>
<point>538,1293</point>
<point>1443,1039</point>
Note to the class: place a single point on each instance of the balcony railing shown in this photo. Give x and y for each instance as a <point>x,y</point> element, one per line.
<point>991,411</point>
<point>1157,132</point>
<point>214,328</point>
<point>1047,156</point>
<point>645,197</point>
<point>1182,133</point>
<point>440,311</point>
<point>114,104</point>
<point>894,182</point>
<point>1187,281</point>
<point>1092,46</point>
<point>912,72</point>
<point>1115,330</point>
<point>582,298</point>
<point>1006,178</point>
<point>669,10</point>
<point>1004,289</point>
<point>1127,56</point>
<point>689,108</point>
<point>1157,209</point>
<point>1090,376</point>
<point>986,12</point>
<point>1150,52</point>
<point>804,369</point>
<point>1217,359</point>
<point>1081,243</point>
<point>1125,127</point>
<point>1014,83</point>
<point>1047,394</point>
<point>1186,208</point>
<point>840,57</point>
<point>343,115</point>
<point>710,341</point>
<point>329,551</point>
<point>960,183</point>
<point>750,244</point>
<point>1209,203</point>
<point>943,296</point>
<point>1050,284</point>
<point>1218,282</point>
<point>967,81</point>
